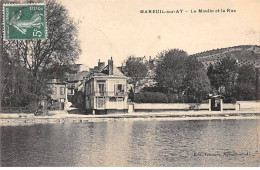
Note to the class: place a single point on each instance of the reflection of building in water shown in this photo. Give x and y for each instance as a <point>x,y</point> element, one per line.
<point>117,146</point>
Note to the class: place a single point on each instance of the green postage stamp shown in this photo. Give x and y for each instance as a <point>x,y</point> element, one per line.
<point>24,21</point>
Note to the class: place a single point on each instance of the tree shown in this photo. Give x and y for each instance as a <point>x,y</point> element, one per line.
<point>136,70</point>
<point>170,71</point>
<point>196,84</point>
<point>211,74</point>
<point>232,81</point>
<point>245,85</point>
<point>182,75</point>
<point>39,57</point>
<point>15,80</point>
<point>223,76</point>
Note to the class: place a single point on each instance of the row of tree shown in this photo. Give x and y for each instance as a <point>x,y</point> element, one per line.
<point>177,74</point>
<point>231,81</point>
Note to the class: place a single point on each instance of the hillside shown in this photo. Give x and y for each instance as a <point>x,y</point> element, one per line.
<point>244,54</point>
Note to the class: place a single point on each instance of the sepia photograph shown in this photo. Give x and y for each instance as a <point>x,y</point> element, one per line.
<point>129,83</point>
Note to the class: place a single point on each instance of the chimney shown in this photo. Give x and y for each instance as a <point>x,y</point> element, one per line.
<point>110,67</point>
<point>96,68</point>
<point>100,65</point>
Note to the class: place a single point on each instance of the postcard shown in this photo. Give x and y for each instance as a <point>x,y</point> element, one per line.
<point>130,83</point>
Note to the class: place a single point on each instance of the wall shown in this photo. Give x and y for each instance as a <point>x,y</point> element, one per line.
<point>229,106</point>
<point>171,106</point>
<point>58,96</point>
<point>248,105</point>
<point>110,84</point>
<point>115,104</point>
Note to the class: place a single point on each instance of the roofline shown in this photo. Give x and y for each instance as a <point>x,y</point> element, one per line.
<point>111,76</point>
<point>56,83</point>
<point>108,77</point>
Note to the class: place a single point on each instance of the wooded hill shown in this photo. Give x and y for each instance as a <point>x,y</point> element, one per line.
<point>244,54</point>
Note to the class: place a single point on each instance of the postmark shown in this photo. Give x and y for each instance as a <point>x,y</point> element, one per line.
<point>24,21</point>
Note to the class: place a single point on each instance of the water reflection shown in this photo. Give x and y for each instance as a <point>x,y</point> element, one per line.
<point>133,143</point>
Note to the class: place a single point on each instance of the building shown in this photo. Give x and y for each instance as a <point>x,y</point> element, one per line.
<point>106,89</point>
<point>58,98</point>
<point>74,80</point>
<point>79,97</point>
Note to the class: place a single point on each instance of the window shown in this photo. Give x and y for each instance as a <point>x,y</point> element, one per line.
<point>120,99</point>
<point>119,89</point>
<point>91,87</point>
<point>87,89</point>
<point>100,103</point>
<point>54,89</point>
<point>112,99</point>
<point>70,91</point>
<point>101,88</point>
<point>62,90</point>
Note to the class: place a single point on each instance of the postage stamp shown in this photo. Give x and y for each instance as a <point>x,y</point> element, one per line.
<point>24,21</point>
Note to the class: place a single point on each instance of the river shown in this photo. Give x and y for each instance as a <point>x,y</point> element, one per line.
<point>133,143</point>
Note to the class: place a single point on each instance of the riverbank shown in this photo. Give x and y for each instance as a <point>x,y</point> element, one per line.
<point>64,117</point>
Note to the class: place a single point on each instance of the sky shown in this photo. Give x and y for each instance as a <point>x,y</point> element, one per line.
<point>117,28</point>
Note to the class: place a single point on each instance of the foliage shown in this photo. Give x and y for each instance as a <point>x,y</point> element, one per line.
<point>170,71</point>
<point>196,84</point>
<point>15,81</point>
<point>245,84</point>
<point>246,74</point>
<point>179,74</point>
<point>225,73</point>
<point>232,81</point>
<point>156,97</point>
<point>131,94</point>
<point>151,97</point>
<point>38,59</point>
<point>136,70</point>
